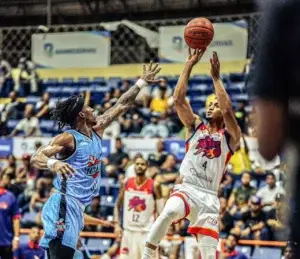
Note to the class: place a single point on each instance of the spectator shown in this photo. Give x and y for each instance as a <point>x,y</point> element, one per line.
<point>226,186</point>
<point>229,251</point>
<point>113,130</point>
<point>9,221</point>
<point>156,128</point>
<point>25,171</point>
<point>289,250</point>
<point>44,106</point>
<point>118,160</point>
<point>31,250</point>
<point>41,195</point>
<point>26,81</point>
<point>269,192</point>
<point>10,169</point>
<point>5,74</point>
<point>158,158</point>
<point>125,86</point>
<point>10,111</point>
<point>163,84</point>
<point>167,175</point>
<point>241,195</point>
<point>240,161</point>
<point>160,103</point>
<point>226,222</point>
<point>255,221</point>
<point>277,218</point>
<point>30,124</point>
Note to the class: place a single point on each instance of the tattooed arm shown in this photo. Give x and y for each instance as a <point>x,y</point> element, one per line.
<point>125,101</point>
<point>182,106</point>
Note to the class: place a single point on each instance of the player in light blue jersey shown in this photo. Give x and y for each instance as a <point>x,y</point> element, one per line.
<point>74,156</point>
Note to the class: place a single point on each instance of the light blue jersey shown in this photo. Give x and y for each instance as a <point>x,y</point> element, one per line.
<point>86,161</point>
<point>63,213</point>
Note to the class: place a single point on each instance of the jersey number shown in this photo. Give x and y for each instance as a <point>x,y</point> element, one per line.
<point>204,165</point>
<point>135,217</point>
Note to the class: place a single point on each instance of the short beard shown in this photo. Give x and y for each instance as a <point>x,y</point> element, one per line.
<point>209,119</point>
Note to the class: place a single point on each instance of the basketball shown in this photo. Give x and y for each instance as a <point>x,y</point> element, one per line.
<point>199,33</point>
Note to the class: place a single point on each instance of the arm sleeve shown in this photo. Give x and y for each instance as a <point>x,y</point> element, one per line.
<point>20,125</point>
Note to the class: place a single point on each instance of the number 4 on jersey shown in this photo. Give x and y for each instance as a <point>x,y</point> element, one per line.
<point>204,165</point>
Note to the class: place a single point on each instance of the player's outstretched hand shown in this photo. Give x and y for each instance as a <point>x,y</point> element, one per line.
<point>195,57</point>
<point>149,73</point>
<point>215,66</point>
<point>64,169</point>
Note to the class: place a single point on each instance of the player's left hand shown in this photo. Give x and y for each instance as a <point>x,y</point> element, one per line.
<point>215,66</point>
<point>15,244</point>
<point>149,73</point>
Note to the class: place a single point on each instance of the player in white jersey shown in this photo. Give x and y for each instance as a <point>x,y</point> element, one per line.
<point>209,148</point>
<point>140,198</point>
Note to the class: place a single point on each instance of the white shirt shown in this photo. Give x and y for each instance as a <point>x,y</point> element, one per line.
<point>27,125</point>
<point>155,130</point>
<point>113,130</point>
<point>268,195</point>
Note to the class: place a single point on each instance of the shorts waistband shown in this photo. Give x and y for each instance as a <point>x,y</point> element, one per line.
<point>80,204</point>
<point>194,186</point>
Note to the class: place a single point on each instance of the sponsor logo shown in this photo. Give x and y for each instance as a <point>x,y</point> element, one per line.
<point>201,175</point>
<point>137,204</point>
<point>94,167</point>
<point>49,49</point>
<point>212,221</point>
<point>209,147</point>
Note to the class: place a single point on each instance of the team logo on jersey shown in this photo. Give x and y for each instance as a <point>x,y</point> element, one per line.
<point>209,147</point>
<point>137,204</point>
<point>125,251</point>
<point>93,167</point>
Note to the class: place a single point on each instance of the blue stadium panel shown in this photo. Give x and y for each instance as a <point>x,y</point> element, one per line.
<point>51,82</point>
<point>236,77</point>
<point>68,81</point>
<point>11,124</point>
<point>83,81</point>
<point>266,253</point>
<point>245,250</point>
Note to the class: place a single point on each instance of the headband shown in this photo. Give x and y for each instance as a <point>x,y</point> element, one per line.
<point>77,107</point>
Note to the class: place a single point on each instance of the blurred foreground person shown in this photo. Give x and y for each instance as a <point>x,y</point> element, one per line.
<point>277,91</point>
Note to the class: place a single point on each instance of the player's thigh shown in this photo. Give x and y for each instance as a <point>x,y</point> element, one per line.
<point>127,245</point>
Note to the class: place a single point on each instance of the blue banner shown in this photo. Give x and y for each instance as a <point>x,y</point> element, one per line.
<point>106,147</point>
<point>175,147</point>
<point>5,147</point>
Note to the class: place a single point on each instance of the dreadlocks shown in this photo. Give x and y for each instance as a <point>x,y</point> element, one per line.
<point>66,111</point>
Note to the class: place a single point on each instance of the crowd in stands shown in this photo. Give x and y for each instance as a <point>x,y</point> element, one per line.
<point>251,194</point>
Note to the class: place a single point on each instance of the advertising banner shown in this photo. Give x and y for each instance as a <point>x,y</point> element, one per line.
<point>23,146</point>
<point>71,49</point>
<point>5,147</point>
<point>230,42</point>
<point>143,146</point>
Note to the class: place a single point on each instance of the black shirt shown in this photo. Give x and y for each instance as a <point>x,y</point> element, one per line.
<point>251,220</point>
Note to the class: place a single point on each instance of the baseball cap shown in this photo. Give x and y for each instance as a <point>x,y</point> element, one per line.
<point>255,200</point>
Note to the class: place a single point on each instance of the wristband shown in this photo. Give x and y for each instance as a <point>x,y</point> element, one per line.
<point>141,82</point>
<point>50,163</point>
<point>17,238</point>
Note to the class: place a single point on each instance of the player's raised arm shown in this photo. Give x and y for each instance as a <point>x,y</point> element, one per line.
<point>225,104</point>
<point>42,158</point>
<point>117,208</point>
<point>125,101</point>
<point>182,106</point>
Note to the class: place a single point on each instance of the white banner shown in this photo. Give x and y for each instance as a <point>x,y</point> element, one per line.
<point>133,146</point>
<point>230,41</point>
<point>71,49</point>
<point>23,146</point>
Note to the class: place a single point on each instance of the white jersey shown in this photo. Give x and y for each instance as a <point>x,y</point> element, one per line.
<point>206,158</point>
<point>139,205</point>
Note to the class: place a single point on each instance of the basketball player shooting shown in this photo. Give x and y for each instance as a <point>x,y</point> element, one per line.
<point>141,199</point>
<point>208,150</point>
<point>74,156</point>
